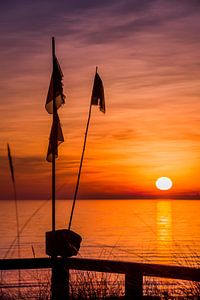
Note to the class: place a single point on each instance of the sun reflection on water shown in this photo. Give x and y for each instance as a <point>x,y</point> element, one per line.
<point>164,228</point>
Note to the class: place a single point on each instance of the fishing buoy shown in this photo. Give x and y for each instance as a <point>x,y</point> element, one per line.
<point>62,242</point>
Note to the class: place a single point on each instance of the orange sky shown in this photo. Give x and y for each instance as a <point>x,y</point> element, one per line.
<point>149,60</point>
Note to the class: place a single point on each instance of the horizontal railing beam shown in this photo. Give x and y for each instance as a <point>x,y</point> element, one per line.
<point>25,263</point>
<point>109,266</point>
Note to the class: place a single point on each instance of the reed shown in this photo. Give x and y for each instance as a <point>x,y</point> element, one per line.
<point>96,285</point>
<point>99,285</point>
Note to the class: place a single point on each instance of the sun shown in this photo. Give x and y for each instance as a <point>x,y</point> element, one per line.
<point>164,183</point>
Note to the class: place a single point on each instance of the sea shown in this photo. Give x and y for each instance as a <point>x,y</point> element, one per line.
<point>152,231</point>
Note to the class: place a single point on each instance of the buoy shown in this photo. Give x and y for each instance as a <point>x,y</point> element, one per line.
<point>62,242</point>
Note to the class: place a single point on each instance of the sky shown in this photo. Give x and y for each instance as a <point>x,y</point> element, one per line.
<point>148,57</point>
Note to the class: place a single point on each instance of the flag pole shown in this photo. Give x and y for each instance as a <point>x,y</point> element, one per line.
<point>81,163</point>
<point>53,148</point>
<point>16,212</point>
<point>15,197</point>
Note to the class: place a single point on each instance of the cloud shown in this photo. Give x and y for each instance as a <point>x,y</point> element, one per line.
<point>117,19</point>
<point>147,53</point>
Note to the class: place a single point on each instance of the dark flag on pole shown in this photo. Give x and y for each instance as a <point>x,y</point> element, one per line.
<point>98,93</point>
<point>97,98</point>
<point>61,242</point>
<point>55,88</point>
<point>55,139</point>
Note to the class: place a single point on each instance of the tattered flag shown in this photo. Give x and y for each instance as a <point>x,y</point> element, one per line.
<point>55,88</point>
<point>98,93</point>
<point>55,139</point>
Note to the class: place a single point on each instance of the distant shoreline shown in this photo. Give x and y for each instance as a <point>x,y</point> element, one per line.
<point>113,199</point>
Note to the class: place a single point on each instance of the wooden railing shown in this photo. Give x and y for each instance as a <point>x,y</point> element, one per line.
<point>134,272</point>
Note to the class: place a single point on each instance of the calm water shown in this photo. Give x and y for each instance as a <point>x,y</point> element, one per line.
<point>160,231</point>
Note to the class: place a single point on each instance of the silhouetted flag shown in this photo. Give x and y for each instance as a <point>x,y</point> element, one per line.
<point>55,88</point>
<point>98,93</point>
<point>11,164</point>
<point>55,139</point>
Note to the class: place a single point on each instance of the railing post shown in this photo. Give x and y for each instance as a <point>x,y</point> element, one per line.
<point>59,281</point>
<point>133,285</point>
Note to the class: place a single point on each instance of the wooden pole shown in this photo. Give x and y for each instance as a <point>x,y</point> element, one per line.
<point>80,168</point>
<point>60,275</point>
<point>53,146</point>
<point>60,280</point>
<point>81,163</point>
<point>133,285</point>
<point>16,213</point>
